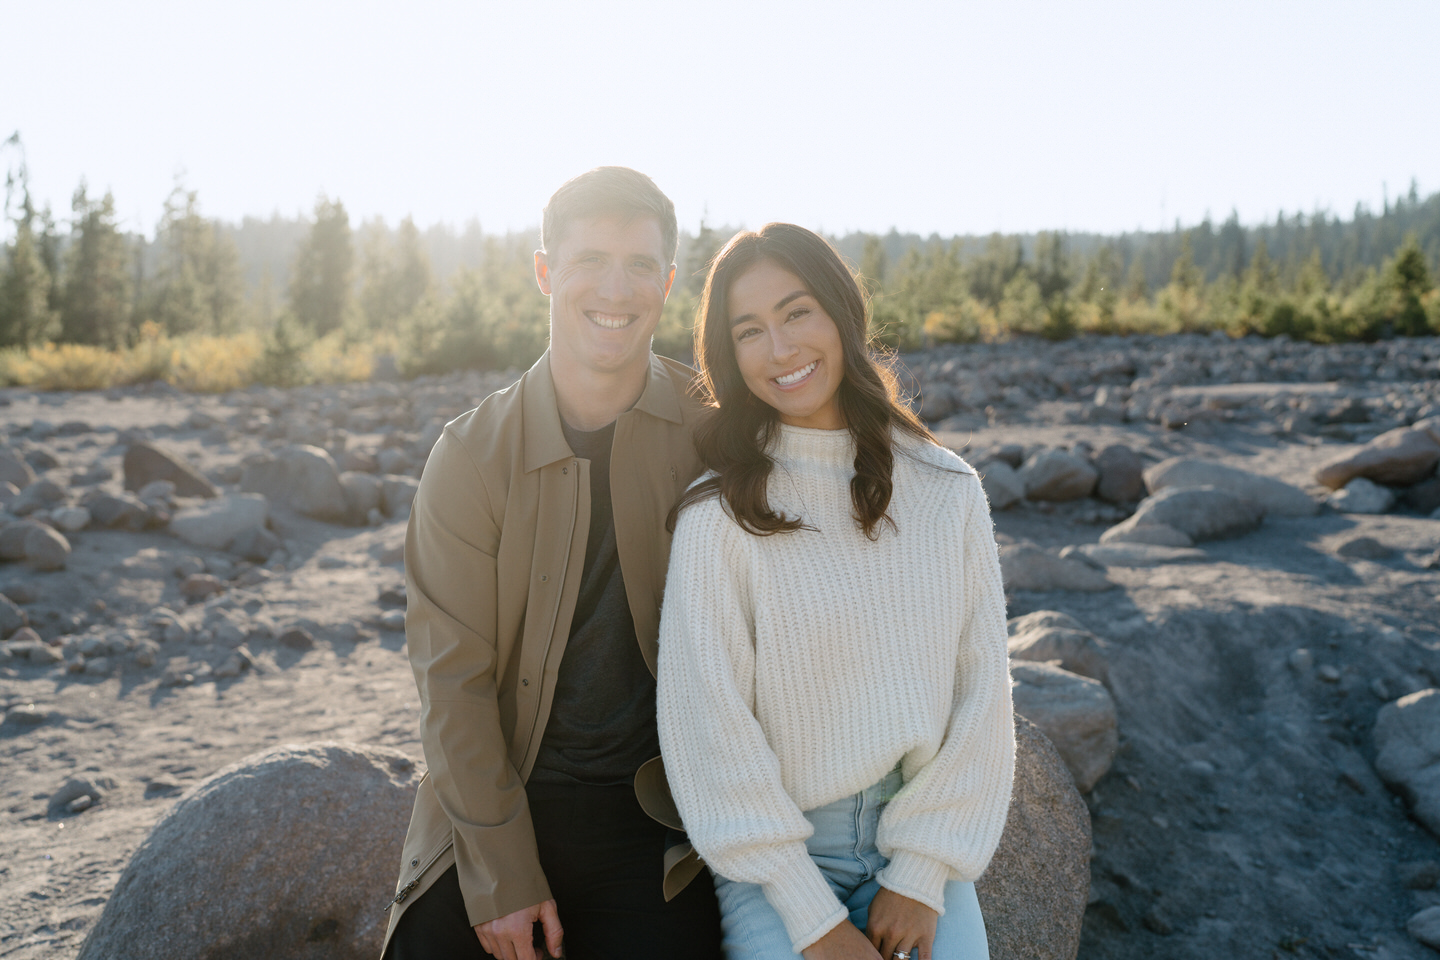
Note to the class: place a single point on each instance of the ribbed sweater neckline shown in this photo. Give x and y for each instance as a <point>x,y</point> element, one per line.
<point>808,444</point>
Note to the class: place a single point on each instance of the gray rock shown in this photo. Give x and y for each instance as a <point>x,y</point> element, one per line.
<point>362,493</point>
<point>146,653</point>
<point>393,461</point>
<point>98,666</point>
<point>1043,620</point>
<point>301,477</point>
<point>1075,712</point>
<point>146,462</point>
<point>1425,927</point>
<point>1200,513</point>
<point>14,469</point>
<point>1423,497</point>
<point>46,548</point>
<point>1399,457</point>
<point>1155,534</point>
<point>397,495</point>
<point>267,831</point>
<point>157,490</point>
<point>1003,486</point>
<point>355,459</point>
<point>123,512</point>
<point>1122,554</point>
<point>70,519</point>
<point>45,655</point>
<point>1034,891</point>
<point>12,618</point>
<point>217,524</point>
<point>1364,548</point>
<point>1024,566</point>
<point>1079,651</point>
<point>1362,496</point>
<point>1057,475</point>
<point>93,787</point>
<point>1275,497</point>
<point>198,586</point>
<point>1121,474</point>
<point>255,544</point>
<point>1419,874</point>
<point>1407,752</point>
<point>235,664</point>
<point>25,715</point>
<point>296,638</point>
<point>40,495</point>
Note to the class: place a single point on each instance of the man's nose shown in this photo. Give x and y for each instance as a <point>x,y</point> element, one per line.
<point>615,283</point>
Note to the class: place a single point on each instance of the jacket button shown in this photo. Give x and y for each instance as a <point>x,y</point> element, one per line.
<point>414,863</point>
<point>564,469</point>
<point>524,681</point>
<point>544,577</point>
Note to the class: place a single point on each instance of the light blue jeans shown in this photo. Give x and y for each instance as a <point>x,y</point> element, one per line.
<point>843,846</point>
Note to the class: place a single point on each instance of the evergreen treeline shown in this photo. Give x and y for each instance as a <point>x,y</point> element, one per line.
<point>441,299</point>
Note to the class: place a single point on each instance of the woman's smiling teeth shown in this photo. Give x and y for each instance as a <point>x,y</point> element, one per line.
<point>791,379</point>
<point>611,321</point>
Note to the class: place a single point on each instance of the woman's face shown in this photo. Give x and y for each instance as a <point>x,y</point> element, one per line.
<point>787,347</point>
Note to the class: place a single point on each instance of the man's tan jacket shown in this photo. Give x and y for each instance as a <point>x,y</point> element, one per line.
<point>493,561</point>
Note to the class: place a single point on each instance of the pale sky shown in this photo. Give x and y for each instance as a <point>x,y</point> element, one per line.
<point>930,117</point>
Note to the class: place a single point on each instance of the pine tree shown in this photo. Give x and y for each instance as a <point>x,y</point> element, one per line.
<point>1408,277</point>
<point>95,305</point>
<point>321,279</point>
<point>25,314</point>
<point>197,282</point>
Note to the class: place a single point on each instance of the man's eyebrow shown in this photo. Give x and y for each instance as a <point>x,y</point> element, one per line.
<point>779,306</point>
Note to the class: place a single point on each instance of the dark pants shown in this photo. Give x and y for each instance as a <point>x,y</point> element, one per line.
<point>603,858</point>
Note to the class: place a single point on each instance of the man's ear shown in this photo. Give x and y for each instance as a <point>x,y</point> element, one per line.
<point>669,281</point>
<point>542,272</point>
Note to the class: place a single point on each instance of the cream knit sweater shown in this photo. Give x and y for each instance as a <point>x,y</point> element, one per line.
<point>800,668</point>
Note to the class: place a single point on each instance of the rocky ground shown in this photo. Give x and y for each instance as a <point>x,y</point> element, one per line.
<point>1236,806</point>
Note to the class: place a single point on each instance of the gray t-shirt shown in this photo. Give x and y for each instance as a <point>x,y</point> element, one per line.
<point>602,721</point>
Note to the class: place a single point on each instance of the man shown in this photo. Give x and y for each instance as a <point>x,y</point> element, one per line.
<point>535,564</point>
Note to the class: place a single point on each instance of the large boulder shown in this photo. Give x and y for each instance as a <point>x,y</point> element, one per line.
<point>397,494</point>
<point>1200,513</point>
<point>1407,752</point>
<point>215,525</point>
<point>1397,457</point>
<point>1119,553</point>
<point>288,853</point>
<point>14,469</point>
<point>1041,620</point>
<point>1003,486</point>
<point>1024,566</point>
<point>145,463</point>
<point>1033,893</point>
<point>301,477</point>
<point>1276,497</point>
<point>1121,474</point>
<point>1058,475</point>
<point>1075,712</point>
<point>362,493</point>
<point>1079,651</point>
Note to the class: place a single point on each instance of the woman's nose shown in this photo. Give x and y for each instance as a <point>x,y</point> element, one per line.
<point>782,346</point>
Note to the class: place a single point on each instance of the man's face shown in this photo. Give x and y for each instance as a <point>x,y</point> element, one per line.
<point>607,281</point>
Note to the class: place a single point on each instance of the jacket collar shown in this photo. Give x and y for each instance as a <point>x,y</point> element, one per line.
<point>544,438</point>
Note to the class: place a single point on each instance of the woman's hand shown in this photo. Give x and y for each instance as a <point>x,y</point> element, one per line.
<point>901,925</point>
<point>843,942</point>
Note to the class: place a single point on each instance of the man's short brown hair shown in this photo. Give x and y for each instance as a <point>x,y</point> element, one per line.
<point>608,192</point>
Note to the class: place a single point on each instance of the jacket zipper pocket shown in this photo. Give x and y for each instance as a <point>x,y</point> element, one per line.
<point>404,891</point>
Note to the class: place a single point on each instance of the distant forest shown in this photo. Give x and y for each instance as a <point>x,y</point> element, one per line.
<point>441,297</point>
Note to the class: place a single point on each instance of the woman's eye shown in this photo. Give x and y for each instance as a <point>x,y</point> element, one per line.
<point>798,313</point>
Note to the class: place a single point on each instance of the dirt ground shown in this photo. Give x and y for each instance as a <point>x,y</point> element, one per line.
<point>1241,819</point>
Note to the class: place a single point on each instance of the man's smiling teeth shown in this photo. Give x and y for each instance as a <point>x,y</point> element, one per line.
<point>611,321</point>
<point>798,375</point>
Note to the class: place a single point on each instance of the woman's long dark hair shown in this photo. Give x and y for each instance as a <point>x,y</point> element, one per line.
<point>733,440</point>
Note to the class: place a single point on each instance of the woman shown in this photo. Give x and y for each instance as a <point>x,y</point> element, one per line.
<point>834,699</point>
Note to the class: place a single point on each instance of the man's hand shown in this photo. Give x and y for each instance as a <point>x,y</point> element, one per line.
<point>901,925</point>
<point>843,942</point>
<point>512,937</point>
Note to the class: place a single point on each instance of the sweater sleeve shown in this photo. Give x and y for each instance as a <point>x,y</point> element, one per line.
<point>947,820</point>
<point>724,776</point>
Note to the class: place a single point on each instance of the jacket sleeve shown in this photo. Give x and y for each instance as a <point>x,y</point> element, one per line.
<point>722,772</point>
<point>450,627</point>
<point>947,820</point>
